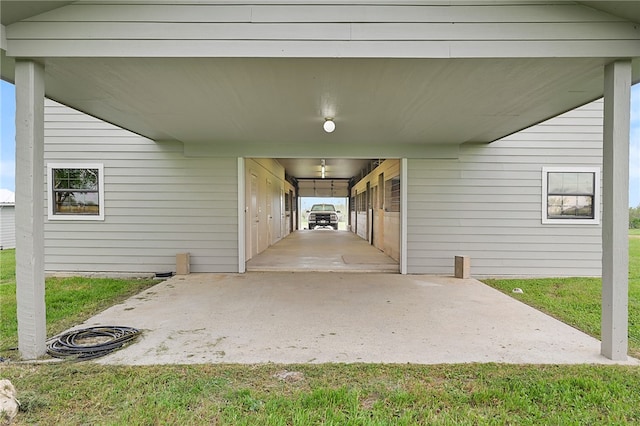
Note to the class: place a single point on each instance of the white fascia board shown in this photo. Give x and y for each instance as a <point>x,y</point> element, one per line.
<point>422,49</point>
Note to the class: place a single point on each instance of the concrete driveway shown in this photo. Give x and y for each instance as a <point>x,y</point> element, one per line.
<point>318,317</point>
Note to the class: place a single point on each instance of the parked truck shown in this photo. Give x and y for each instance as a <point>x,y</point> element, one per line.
<point>323,215</point>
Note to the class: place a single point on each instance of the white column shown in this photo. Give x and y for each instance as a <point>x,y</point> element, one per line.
<point>29,81</point>
<point>615,217</point>
<point>404,185</point>
<point>242,212</point>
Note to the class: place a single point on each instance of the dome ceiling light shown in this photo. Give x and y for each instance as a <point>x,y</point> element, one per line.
<point>329,125</point>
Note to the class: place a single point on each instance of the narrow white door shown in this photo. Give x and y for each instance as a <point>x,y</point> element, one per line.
<point>253,214</point>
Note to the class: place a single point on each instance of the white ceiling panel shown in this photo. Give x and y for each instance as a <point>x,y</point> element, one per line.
<point>284,101</point>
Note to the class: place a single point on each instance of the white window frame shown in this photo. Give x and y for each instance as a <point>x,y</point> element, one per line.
<point>51,166</point>
<point>596,196</point>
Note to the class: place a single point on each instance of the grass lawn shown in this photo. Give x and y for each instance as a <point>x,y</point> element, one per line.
<point>329,394</point>
<point>69,301</point>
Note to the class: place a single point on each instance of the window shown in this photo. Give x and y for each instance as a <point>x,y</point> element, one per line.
<point>75,191</point>
<point>392,195</point>
<point>361,202</point>
<point>571,195</point>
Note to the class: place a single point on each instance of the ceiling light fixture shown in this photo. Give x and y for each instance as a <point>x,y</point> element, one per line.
<point>329,125</point>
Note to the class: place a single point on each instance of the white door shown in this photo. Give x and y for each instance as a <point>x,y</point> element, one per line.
<point>253,215</point>
<point>269,209</point>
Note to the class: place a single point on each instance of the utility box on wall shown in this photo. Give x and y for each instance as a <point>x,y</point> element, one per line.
<point>183,264</point>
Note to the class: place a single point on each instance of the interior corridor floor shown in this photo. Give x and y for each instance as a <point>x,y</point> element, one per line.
<point>323,250</point>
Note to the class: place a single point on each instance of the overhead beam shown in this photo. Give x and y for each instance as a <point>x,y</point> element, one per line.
<point>615,240</point>
<point>29,82</point>
<point>324,150</point>
<point>323,49</point>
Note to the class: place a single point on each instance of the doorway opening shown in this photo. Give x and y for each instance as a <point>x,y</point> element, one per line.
<point>280,195</point>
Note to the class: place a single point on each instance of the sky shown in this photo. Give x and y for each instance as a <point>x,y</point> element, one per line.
<point>7,151</point>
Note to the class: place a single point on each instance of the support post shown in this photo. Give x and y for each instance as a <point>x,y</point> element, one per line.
<point>242,218</point>
<point>404,221</point>
<point>29,81</point>
<point>615,217</point>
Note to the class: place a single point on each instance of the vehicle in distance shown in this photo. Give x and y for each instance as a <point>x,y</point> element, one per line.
<point>323,215</point>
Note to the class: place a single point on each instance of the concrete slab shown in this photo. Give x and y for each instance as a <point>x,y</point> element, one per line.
<point>310,317</point>
<point>323,250</point>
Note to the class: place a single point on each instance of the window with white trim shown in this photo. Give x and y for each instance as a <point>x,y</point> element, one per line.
<point>571,195</point>
<point>76,191</point>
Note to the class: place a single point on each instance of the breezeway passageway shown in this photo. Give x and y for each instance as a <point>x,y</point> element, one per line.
<point>323,250</point>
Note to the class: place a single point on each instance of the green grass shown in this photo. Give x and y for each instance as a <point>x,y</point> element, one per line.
<point>328,394</point>
<point>69,301</point>
<point>7,266</point>
<point>577,301</point>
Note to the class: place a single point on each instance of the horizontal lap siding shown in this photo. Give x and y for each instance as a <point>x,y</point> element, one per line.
<point>7,227</point>
<point>487,204</point>
<point>362,30</point>
<point>157,202</point>
<point>194,13</point>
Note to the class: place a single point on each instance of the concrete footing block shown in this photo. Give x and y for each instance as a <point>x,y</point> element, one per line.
<point>183,264</point>
<point>462,267</point>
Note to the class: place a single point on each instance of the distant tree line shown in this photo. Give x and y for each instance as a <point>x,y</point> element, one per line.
<point>634,217</point>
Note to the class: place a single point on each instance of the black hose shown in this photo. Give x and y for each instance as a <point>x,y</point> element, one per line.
<point>69,344</point>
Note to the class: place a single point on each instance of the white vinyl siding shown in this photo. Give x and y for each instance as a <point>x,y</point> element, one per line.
<point>7,226</point>
<point>157,202</point>
<point>315,29</point>
<point>487,204</point>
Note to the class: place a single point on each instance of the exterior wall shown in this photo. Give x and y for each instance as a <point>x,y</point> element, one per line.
<point>7,226</point>
<point>157,202</point>
<point>487,204</point>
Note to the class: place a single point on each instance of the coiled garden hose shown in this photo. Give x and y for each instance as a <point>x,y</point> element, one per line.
<point>90,343</point>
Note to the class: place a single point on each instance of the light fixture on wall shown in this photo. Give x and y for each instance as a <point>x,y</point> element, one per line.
<point>322,168</point>
<point>329,125</point>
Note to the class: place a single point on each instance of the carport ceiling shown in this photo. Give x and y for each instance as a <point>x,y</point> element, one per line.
<point>276,101</point>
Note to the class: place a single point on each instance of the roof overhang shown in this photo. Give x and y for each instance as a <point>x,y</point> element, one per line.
<point>17,10</point>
